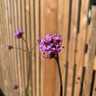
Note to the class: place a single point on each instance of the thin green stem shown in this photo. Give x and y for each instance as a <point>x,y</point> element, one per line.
<point>34,46</point>
<point>29,69</point>
<point>29,72</point>
<point>25,43</point>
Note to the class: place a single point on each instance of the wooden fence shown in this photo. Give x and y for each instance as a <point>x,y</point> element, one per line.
<point>37,18</point>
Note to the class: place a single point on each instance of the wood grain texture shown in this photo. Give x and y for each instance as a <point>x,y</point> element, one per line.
<point>81,45</point>
<point>37,18</point>
<point>91,56</point>
<point>5,62</point>
<point>48,26</point>
<point>60,18</point>
<point>21,53</point>
<point>72,46</point>
<point>15,70</point>
<point>24,46</point>
<point>32,26</point>
<point>37,34</point>
<point>62,29</point>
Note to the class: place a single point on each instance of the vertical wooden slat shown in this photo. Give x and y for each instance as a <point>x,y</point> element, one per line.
<point>14,56</point>
<point>32,44</point>
<point>27,22</point>
<point>34,51</point>
<point>81,45</point>
<point>72,46</point>
<point>10,26</point>
<point>1,76</point>
<point>5,37</point>
<point>48,26</point>
<point>1,48</point>
<point>62,29</point>
<point>9,23</point>
<point>37,48</point>
<point>24,46</point>
<point>59,30</point>
<point>21,65</point>
<point>87,42</point>
<point>15,28</point>
<point>16,23</point>
<point>91,55</point>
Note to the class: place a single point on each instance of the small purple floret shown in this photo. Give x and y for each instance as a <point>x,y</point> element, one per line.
<point>9,47</point>
<point>16,87</point>
<point>51,46</point>
<point>18,34</point>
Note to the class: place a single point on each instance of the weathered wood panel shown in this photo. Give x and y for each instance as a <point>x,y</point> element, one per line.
<point>91,56</point>
<point>81,45</point>
<point>38,18</point>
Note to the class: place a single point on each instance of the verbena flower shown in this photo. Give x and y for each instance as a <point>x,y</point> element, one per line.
<point>9,47</point>
<point>16,87</point>
<point>51,46</point>
<point>18,34</point>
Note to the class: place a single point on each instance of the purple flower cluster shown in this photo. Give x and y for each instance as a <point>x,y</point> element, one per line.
<point>51,46</point>
<point>9,47</point>
<point>16,87</point>
<point>18,34</point>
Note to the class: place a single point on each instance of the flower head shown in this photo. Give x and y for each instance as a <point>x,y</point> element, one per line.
<point>9,47</point>
<point>16,87</point>
<point>18,34</point>
<point>51,46</point>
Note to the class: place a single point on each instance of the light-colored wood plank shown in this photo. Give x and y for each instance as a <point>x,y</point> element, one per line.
<point>16,23</point>
<point>62,29</point>
<point>27,22</point>
<point>15,70</point>
<point>72,46</point>
<point>37,48</point>
<point>9,24</point>
<point>5,62</point>
<point>81,45</point>
<point>1,48</point>
<point>91,56</point>
<point>95,64</point>
<point>48,26</point>
<point>32,44</point>
<point>24,46</point>
<point>21,53</point>
<point>59,30</point>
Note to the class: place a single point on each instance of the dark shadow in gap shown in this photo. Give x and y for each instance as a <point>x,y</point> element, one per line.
<point>1,93</point>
